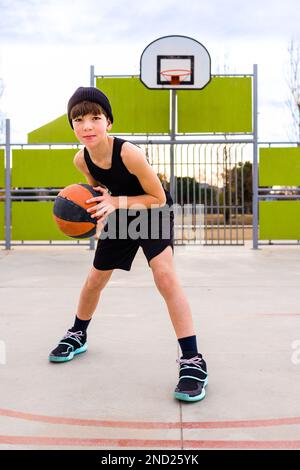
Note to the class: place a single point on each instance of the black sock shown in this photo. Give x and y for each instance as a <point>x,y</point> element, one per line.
<point>188,346</point>
<point>80,325</point>
<point>189,349</point>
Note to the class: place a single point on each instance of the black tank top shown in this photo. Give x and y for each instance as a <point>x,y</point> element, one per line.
<point>117,178</point>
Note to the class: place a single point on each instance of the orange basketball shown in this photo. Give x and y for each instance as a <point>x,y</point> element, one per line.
<point>70,213</point>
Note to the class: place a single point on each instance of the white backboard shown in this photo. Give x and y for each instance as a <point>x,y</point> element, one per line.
<point>177,62</point>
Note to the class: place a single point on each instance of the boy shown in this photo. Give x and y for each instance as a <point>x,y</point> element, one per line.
<point>123,168</point>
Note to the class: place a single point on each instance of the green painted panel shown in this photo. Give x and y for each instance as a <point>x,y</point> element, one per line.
<point>279,166</point>
<point>224,105</point>
<point>2,220</point>
<point>136,109</point>
<point>44,168</point>
<point>34,221</point>
<point>279,220</point>
<point>57,131</point>
<point>2,169</point>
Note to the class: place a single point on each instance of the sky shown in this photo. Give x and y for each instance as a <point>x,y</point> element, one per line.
<point>48,46</point>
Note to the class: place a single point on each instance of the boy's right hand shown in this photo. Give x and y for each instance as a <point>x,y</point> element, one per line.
<point>99,227</point>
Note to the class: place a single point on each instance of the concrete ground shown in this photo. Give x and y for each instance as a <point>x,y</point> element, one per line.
<point>246,307</point>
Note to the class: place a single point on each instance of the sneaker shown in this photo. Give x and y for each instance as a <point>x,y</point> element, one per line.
<point>192,379</point>
<point>74,342</point>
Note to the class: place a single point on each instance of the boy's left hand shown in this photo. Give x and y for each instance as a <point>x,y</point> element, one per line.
<point>107,203</point>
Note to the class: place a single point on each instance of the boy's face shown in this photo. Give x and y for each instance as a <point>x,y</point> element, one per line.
<point>91,129</point>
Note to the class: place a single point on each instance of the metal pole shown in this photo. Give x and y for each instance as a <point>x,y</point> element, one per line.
<point>7,186</point>
<point>92,78</point>
<point>172,135</point>
<point>92,75</point>
<point>255,162</point>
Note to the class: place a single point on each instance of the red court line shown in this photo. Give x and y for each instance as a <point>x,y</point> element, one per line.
<point>152,425</point>
<point>141,443</point>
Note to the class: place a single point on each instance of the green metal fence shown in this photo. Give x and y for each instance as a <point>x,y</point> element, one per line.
<point>208,197</point>
<point>279,194</point>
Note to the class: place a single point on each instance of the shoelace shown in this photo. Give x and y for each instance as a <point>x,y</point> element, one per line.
<point>189,363</point>
<point>195,361</point>
<point>74,334</point>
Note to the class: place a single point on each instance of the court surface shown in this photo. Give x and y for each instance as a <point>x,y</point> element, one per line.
<point>118,395</point>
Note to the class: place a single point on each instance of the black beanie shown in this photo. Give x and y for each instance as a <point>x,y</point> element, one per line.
<point>90,94</point>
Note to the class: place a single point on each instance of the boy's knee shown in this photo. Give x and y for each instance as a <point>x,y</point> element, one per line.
<point>98,279</point>
<point>164,279</point>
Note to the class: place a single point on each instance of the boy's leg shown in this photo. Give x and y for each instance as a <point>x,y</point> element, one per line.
<point>193,370</point>
<point>168,284</point>
<point>90,293</point>
<point>75,340</point>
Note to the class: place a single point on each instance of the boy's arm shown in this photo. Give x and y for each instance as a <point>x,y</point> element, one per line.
<point>135,161</point>
<point>81,166</point>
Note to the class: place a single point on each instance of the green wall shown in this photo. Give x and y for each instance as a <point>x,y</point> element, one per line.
<point>2,184</point>
<point>57,131</point>
<point>2,220</point>
<point>279,166</point>
<point>54,168</point>
<point>136,109</point>
<point>2,169</point>
<point>34,221</point>
<point>279,220</point>
<point>43,167</point>
<point>224,105</point>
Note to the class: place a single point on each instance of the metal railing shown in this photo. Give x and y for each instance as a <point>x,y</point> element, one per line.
<point>208,175</point>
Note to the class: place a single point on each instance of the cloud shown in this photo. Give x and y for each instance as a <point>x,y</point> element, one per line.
<point>84,22</point>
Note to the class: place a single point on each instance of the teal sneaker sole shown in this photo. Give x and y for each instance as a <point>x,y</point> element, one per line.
<point>70,356</point>
<point>186,397</point>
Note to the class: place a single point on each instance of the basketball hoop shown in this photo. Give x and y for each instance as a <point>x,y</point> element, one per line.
<point>176,62</point>
<point>175,76</point>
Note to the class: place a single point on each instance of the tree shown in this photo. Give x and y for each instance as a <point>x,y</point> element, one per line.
<point>293,80</point>
<point>190,191</point>
<point>237,188</point>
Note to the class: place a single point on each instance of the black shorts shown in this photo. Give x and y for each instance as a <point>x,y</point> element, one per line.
<point>117,251</point>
